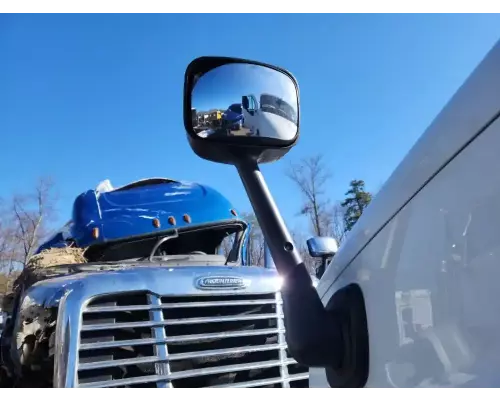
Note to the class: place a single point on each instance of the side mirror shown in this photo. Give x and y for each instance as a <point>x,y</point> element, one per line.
<point>322,246</point>
<point>219,83</point>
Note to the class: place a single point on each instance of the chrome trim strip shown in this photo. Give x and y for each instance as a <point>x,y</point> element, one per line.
<point>177,357</point>
<point>177,305</point>
<point>179,321</point>
<point>262,382</point>
<point>177,339</point>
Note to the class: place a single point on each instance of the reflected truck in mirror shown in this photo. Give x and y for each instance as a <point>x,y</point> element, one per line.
<point>233,118</point>
<point>271,115</point>
<point>194,117</point>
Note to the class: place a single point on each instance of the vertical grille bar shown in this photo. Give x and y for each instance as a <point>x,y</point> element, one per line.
<point>281,340</point>
<point>161,350</point>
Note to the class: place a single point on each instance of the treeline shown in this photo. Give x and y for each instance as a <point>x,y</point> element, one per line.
<point>25,217</point>
<point>325,216</point>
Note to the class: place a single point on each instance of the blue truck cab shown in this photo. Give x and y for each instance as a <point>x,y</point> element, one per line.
<point>124,223</point>
<point>166,297</point>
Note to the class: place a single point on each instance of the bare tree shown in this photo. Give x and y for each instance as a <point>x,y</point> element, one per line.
<point>256,244</point>
<point>311,177</point>
<point>337,229</point>
<point>30,215</point>
<point>227,245</point>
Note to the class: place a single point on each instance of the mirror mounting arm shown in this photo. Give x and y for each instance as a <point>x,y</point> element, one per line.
<point>315,337</point>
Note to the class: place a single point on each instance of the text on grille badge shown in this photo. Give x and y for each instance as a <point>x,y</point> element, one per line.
<point>221,282</point>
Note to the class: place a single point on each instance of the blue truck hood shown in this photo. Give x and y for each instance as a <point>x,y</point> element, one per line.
<point>145,207</point>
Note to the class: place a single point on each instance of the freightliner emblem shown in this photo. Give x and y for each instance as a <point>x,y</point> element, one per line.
<point>221,283</point>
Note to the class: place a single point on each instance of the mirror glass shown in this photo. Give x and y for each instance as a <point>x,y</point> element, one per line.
<point>244,100</point>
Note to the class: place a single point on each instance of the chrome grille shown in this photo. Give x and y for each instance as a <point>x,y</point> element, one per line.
<point>144,340</point>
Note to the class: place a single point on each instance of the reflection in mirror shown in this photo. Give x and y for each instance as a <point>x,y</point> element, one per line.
<point>322,246</point>
<point>244,100</point>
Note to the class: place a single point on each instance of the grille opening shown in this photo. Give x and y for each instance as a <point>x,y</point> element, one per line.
<point>115,353</point>
<point>114,334</point>
<point>219,311</point>
<point>120,299</point>
<point>224,343</point>
<point>214,327</point>
<point>210,298</point>
<point>115,317</point>
<point>229,378</point>
<point>222,361</point>
<point>295,369</point>
<point>112,373</point>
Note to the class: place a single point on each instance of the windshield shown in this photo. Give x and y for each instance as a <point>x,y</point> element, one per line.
<point>223,240</point>
<point>275,105</point>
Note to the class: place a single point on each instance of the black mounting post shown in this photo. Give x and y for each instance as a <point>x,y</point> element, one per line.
<point>314,336</point>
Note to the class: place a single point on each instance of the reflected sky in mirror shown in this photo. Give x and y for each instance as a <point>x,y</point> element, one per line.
<point>245,100</point>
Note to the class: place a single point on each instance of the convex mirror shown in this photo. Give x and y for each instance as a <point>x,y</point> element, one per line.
<point>240,103</point>
<point>244,100</point>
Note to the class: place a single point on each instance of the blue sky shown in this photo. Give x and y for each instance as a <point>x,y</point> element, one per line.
<point>89,97</point>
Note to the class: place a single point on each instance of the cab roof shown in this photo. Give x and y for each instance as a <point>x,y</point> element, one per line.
<point>144,207</point>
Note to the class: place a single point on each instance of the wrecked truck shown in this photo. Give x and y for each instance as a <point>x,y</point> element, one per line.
<point>148,285</point>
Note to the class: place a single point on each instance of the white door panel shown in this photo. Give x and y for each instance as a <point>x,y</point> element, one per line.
<point>431,279</point>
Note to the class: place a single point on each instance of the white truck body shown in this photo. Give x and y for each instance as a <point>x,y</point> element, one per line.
<point>426,253</point>
<point>275,126</point>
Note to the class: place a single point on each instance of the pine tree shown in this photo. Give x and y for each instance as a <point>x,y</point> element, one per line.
<point>355,203</point>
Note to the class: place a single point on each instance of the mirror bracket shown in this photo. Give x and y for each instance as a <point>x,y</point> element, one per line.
<point>313,337</point>
<point>281,245</point>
